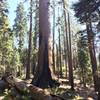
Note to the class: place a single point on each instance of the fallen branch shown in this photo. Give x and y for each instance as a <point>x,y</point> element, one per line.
<point>36,93</point>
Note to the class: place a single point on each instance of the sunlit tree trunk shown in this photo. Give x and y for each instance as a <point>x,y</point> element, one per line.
<point>68,44</point>
<point>70,56</point>
<point>53,50</point>
<point>65,55</point>
<point>43,75</point>
<point>36,28</point>
<point>29,45</point>
<point>35,38</point>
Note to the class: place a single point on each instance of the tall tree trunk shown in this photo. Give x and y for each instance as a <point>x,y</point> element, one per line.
<point>57,60</point>
<point>53,51</point>
<point>65,54</point>
<point>60,62</point>
<point>36,28</point>
<point>43,75</point>
<point>29,45</point>
<point>69,55</point>
<point>83,77</point>
<point>36,25</point>
<point>92,52</point>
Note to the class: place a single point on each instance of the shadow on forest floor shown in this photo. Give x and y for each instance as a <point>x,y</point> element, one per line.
<point>80,93</point>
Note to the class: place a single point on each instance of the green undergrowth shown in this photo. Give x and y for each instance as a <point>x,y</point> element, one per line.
<point>8,95</point>
<point>66,94</point>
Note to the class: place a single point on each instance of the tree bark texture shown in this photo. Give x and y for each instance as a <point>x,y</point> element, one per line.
<point>43,75</point>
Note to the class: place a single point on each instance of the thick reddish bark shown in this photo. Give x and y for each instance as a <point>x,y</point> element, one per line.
<point>43,75</point>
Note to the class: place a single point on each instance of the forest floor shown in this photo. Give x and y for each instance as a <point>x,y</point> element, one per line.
<point>80,93</point>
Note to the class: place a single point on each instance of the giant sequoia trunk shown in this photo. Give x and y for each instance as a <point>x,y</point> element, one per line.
<point>43,75</point>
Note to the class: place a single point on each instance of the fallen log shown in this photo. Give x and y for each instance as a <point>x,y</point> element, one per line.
<point>39,94</point>
<point>36,93</point>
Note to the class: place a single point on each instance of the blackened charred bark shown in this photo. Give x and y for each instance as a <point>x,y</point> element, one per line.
<point>99,95</point>
<point>44,76</point>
